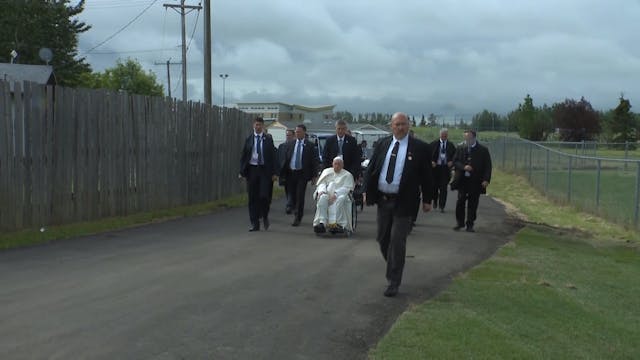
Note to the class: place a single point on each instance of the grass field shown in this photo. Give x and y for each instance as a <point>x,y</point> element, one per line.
<point>565,288</point>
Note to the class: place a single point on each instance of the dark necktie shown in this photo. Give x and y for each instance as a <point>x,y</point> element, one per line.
<point>259,149</point>
<point>299,156</point>
<point>340,146</point>
<point>392,162</point>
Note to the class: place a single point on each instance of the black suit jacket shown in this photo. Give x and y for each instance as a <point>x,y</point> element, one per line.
<point>268,153</point>
<point>435,150</point>
<point>480,160</point>
<point>416,176</point>
<point>310,159</point>
<point>350,153</point>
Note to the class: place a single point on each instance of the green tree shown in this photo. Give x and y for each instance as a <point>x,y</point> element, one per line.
<point>126,76</point>
<point>431,120</point>
<point>621,123</point>
<point>26,26</point>
<point>486,120</point>
<point>576,120</point>
<point>532,123</point>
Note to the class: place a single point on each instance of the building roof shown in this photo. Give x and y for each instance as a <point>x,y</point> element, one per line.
<point>40,74</point>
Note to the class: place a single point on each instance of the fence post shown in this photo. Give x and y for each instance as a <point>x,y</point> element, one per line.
<point>637,196</point>
<point>598,184</point>
<point>504,152</point>
<point>546,174</point>
<point>626,154</point>
<point>530,160</point>
<point>569,187</point>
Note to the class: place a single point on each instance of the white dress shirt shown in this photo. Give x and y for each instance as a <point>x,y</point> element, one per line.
<point>394,187</point>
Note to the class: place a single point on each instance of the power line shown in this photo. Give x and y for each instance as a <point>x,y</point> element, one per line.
<point>122,28</point>
<point>131,51</point>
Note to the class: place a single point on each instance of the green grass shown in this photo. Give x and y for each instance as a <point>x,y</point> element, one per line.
<point>563,290</point>
<point>35,236</point>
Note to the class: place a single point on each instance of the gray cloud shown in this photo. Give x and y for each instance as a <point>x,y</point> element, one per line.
<point>420,56</point>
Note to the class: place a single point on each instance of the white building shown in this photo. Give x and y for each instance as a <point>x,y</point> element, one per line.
<point>311,116</point>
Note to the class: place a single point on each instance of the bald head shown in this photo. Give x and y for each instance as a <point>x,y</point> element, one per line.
<point>400,125</point>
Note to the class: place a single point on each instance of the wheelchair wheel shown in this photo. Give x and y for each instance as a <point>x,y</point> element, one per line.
<point>354,216</point>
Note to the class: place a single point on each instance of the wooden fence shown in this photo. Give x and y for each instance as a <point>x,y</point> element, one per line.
<point>71,155</point>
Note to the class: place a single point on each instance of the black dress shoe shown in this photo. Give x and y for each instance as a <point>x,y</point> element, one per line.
<point>254,228</point>
<point>470,229</point>
<point>458,227</point>
<point>319,229</point>
<point>266,223</point>
<point>442,211</point>
<point>296,222</point>
<point>391,291</point>
<point>288,210</point>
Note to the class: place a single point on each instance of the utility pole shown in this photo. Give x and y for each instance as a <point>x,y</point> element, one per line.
<point>168,73</point>
<point>182,7</point>
<point>207,52</point>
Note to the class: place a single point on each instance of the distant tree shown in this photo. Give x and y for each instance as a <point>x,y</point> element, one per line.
<point>344,115</point>
<point>532,123</point>
<point>576,120</point>
<point>486,120</point>
<point>28,26</point>
<point>127,76</point>
<point>431,120</point>
<point>622,123</point>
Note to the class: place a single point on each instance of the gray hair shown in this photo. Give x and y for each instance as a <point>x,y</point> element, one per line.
<point>444,130</point>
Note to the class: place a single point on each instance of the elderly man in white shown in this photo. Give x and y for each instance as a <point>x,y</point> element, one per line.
<point>333,208</point>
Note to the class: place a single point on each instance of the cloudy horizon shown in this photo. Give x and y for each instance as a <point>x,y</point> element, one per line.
<point>450,58</point>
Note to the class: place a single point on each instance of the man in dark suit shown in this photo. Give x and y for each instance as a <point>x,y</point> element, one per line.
<point>282,156</point>
<point>399,169</point>
<point>301,165</point>
<point>345,145</point>
<point>258,165</point>
<point>442,155</point>
<point>473,174</point>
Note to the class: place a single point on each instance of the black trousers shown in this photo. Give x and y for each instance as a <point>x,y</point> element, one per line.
<point>471,199</point>
<point>297,190</point>
<point>259,189</point>
<point>441,177</point>
<point>392,238</point>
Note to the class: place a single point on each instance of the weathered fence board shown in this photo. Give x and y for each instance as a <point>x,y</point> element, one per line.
<point>70,155</point>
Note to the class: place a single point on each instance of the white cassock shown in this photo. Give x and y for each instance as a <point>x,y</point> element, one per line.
<point>338,212</point>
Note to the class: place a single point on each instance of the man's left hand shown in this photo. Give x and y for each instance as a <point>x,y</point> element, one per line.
<point>485,184</point>
<point>426,207</point>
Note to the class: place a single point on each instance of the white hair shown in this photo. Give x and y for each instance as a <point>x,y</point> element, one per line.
<point>444,130</point>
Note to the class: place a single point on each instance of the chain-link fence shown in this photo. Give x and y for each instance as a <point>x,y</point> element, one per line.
<point>607,187</point>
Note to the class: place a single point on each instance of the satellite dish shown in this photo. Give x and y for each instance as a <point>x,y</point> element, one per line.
<point>45,54</point>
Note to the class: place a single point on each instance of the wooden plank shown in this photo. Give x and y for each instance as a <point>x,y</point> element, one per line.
<point>7,210</point>
<point>18,155</point>
<point>48,149</point>
<point>92,197</point>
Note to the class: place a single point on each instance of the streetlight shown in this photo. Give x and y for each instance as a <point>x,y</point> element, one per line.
<point>224,79</point>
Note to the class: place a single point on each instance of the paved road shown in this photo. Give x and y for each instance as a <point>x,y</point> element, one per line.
<point>205,288</point>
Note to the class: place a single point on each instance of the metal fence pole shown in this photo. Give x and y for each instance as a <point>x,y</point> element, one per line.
<point>546,174</point>
<point>626,153</point>
<point>530,160</point>
<point>504,152</point>
<point>569,187</point>
<point>637,196</point>
<point>598,184</point>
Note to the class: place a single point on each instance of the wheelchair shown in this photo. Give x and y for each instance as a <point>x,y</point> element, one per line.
<point>337,230</point>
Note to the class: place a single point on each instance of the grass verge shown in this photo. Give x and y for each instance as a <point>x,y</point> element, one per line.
<point>566,287</point>
<point>30,237</point>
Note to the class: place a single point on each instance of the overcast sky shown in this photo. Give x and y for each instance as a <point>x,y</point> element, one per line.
<point>447,57</point>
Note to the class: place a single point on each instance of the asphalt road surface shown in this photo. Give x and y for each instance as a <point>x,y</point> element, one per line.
<point>206,288</point>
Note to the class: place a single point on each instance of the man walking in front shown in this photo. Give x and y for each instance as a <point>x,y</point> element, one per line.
<point>300,166</point>
<point>400,168</point>
<point>258,166</point>
<point>442,155</point>
<point>473,174</point>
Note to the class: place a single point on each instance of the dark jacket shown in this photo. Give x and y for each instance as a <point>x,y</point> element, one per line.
<point>350,154</point>
<point>480,160</point>
<point>310,159</point>
<point>416,176</point>
<point>435,150</point>
<point>268,152</point>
